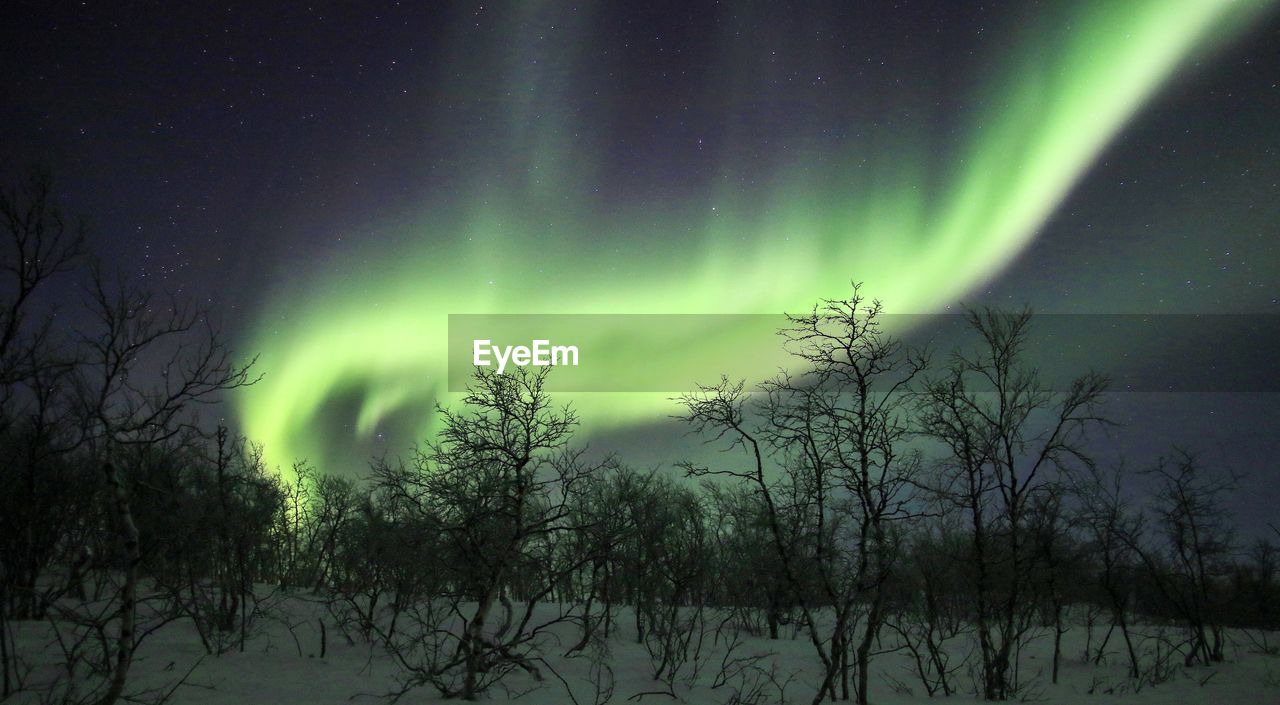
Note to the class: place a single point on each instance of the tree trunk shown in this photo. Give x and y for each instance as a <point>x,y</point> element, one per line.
<point>128,592</point>
<point>1057,640</point>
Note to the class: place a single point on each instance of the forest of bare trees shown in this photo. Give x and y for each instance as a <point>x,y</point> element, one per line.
<point>874,499</point>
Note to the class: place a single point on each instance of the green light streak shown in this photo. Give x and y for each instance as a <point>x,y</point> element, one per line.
<point>918,227</point>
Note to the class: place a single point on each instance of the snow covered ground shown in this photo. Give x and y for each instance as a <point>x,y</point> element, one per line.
<point>282,663</point>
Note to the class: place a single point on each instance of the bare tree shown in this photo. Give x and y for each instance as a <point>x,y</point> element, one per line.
<point>1056,563</point>
<point>1107,524</point>
<point>132,378</point>
<point>1188,556</point>
<point>837,429</point>
<point>43,493</point>
<point>39,244</point>
<point>136,329</point>
<point>751,578</point>
<point>607,530</point>
<point>935,614</point>
<point>497,484</point>
<point>1006,433</point>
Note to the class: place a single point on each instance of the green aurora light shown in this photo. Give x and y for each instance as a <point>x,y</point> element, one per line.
<point>918,225</point>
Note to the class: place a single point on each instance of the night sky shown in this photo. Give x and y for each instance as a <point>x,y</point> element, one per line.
<point>332,181</point>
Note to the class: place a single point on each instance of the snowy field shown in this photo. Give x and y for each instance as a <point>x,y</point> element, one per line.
<point>283,662</point>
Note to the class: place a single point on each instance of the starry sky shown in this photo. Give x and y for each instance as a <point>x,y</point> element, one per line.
<point>333,179</point>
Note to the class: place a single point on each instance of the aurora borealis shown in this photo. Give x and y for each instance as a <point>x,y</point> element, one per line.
<point>919,220</point>
<point>332,181</point>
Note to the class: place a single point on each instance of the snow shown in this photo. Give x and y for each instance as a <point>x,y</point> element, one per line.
<point>282,664</point>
